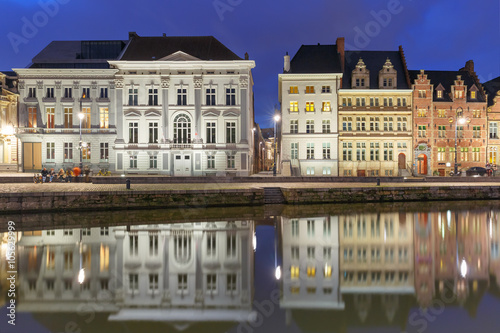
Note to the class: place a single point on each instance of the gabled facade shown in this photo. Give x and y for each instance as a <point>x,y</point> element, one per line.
<point>9,99</point>
<point>308,97</point>
<point>375,115</point>
<point>440,100</point>
<point>184,108</point>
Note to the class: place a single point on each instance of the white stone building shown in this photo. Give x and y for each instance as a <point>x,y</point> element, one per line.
<point>64,80</point>
<point>308,90</point>
<point>181,106</point>
<point>178,273</point>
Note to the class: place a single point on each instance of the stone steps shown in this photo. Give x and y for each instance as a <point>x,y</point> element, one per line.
<point>7,167</point>
<point>273,195</point>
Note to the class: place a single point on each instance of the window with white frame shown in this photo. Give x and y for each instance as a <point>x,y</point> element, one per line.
<point>103,152</point>
<point>181,96</point>
<point>68,117</point>
<point>153,283</point>
<point>310,151</point>
<point>153,244</point>
<point>327,171</point>
<point>133,132</point>
<point>294,150</point>
<point>50,117</point>
<point>230,96</point>
<point>326,150</point>
<point>50,92</point>
<point>133,96</point>
<point>68,93</point>
<point>68,152</point>
<point>103,93</point>
<point>212,283</point>
<point>182,129</point>
<point>231,283</point>
<point>133,244</point>
<point>231,132</point>
<point>133,282</point>
<point>231,162</point>
<point>103,118</point>
<point>210,96</point>
<point>86,151</point>
<point>152,96</point>
<point>326,126</point>
<point>210,162</point>
<point>133,162</point>
<point>51,152</point>
<point>211,244</point>
<point>153,162</point>
<point>294,126</point>
<point>231,244</point>
<point>309,126</point>
<point>182,283</point>
<point>211,132</point>
<point>153,132</point>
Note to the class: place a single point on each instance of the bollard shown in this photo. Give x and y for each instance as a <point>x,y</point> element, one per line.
<point>128,183</point>
<point>378,181</point>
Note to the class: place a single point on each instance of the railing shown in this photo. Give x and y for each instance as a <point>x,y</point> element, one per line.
<point>22,130</point>
<point>409,168</point>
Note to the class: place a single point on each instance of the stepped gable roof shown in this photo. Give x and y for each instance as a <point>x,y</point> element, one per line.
<point>447,79</point>
<point>374,61</point>
<point>156,48</point>
<point>492,87</point>
<point>316,59</point>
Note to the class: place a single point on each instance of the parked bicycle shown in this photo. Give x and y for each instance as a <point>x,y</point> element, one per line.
<point>37,178</point>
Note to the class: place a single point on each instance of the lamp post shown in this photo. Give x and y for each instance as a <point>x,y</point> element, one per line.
<point>276,119</point>
<point>81,272</point>
<point>458,120</point>
<point>81,115</point>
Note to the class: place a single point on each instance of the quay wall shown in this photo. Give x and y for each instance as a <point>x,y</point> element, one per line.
<point>120,200</point>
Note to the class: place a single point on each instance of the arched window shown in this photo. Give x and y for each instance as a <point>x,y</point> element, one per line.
<point>182,129</point>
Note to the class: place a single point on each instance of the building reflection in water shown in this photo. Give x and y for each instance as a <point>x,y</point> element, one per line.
<point>338,271</point>
<point>177,273</point>
<point>373,268</point>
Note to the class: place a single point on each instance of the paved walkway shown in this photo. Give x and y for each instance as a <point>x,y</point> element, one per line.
<point>89,187</point>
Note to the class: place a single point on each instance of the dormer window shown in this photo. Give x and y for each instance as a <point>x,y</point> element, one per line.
<point>440,94</point>
<point>459,94</point>
<point>360,75</point>
<point>387,76</point>
<point>473,95</point>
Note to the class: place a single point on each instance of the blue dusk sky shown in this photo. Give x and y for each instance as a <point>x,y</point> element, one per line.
<point>437,34</point>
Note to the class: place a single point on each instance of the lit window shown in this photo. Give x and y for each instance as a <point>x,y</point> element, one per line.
<point>326,107</point>
<point>294,106</point>
<point>294,90</point>
<point>310,106</point>
<point>309,89</point>
<point>473,95</point>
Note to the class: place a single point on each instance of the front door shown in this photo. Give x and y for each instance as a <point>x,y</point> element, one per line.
<point>361,173</point>
<point>422,164</point>
<point>182,165</point>
<point>401,161</point>
<point>32,156</point>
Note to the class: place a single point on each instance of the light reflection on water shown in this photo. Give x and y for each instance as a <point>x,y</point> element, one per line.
<point>396,268</point>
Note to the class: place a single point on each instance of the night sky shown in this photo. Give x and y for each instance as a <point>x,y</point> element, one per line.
<point>434,34</point>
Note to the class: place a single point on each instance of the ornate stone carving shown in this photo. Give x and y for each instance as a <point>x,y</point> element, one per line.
<point>165,83</point>
<point>111,85</point>
<point>93,84</point>
<point>21,84</point>
<point>198,83</point>
<point>243,82</point>
<point>58,84</point>
<point>76,84</point>
<point>119,84</point>
<point>39,84</point>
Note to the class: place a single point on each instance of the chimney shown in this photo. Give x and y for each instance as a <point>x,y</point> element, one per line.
<point>246,55</point>
<point>341,51</point>
<point>286,66</point>
<point>132,34</point>
<point>164,35</point>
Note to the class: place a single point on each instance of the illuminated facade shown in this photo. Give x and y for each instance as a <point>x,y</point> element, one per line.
<point>310,252</point>
<point>9,98</point>
<point>492,88</point>
<point>184,108</point>
<point>67,79</point>
<point>196,272</point>
<point>308,97</point>
<point>375,115</point>
<point>440,100</point>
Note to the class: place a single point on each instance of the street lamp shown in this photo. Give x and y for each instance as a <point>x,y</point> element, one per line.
<point>81,272</point>
<point>276,119</point>
<point>81,115</point>
<point>458,120</point>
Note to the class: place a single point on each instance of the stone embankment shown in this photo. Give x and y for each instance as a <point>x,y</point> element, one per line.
<point>90,197</point>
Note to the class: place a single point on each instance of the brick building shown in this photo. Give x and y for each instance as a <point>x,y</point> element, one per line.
<point>441,101</point>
